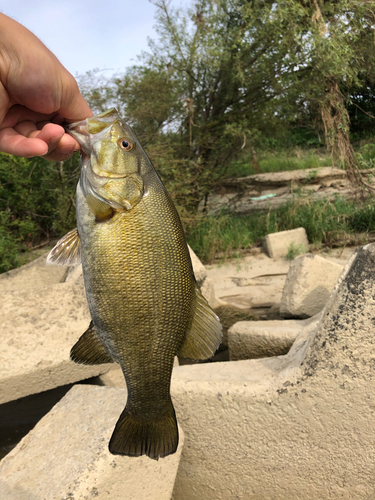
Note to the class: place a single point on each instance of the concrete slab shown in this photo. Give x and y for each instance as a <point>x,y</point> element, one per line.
<point>261,339</point>
<point>277,245</point>
<point>31,275</point>
<point>208,292</point>
<point>38,327</point>
<point>199,269</point>
<point>255,281</point>
<point>295,426</point>
<point>66,455</point>
<point>308,285</point>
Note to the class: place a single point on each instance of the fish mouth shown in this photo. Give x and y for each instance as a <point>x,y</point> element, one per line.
<point>78,131</point>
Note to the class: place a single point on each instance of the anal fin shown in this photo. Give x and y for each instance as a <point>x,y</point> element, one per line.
<point>89,349</point>
<point>67,251</point>
<point>205,333</point>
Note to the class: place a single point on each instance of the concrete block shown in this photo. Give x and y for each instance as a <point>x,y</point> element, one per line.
<point>38,327</point>
<point>198,268</point>
<point>208,292</point>
<point>308,285</point>
<point>261,339</point>
<point>296,426</point>
<point>66,455</point>
<point>276,245</point>
<point>32,275</point>
<point>74,273</point>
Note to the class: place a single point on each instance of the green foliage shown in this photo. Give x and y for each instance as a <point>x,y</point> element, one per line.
<point>228,88</point>
<point>10,246</point>
<point>225,235</point>
<point>295,250</point>
<point>226,77</point>
<point>36,203</point>
<point>326,223</point>
<point>279,161</point>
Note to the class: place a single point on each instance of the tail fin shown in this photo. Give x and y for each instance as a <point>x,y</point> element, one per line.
<point>135,437</point>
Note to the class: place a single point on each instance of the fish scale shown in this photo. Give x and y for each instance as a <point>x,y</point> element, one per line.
<point>143,298</point>
<point>142,342</point>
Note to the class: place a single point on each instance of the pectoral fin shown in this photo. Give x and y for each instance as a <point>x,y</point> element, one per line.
<point>205,334</point>
<point>67,251</point>
<point>101,210</point>
<point>89,349</point>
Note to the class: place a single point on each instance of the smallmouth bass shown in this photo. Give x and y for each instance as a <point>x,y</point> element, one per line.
<point>144,302</point>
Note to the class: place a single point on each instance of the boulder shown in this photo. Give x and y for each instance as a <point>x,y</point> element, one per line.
<point>277,245</point>
<point>308,285</point>
<point>38,327</point>
<point>296,426</point>
<point>66,455</point>
<point>261,339</point>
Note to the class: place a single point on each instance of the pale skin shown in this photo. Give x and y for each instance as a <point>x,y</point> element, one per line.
<point>36,95</point>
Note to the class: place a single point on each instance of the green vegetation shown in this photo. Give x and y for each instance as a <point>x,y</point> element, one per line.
<point>37,202</point>
<point>295,250</point>
<point>228,88</point>
<point>279,161</point>
<point>326,223</point>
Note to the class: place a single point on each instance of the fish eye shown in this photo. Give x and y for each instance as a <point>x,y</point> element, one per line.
<point>125,144</point>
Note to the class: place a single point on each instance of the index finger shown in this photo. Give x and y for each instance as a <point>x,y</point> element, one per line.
<point>17,114</point>
<point>13,143</point>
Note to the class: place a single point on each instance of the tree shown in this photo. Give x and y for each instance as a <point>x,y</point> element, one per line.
<point>225,71</point>
<point>338,44</point>
<point>203,92</point>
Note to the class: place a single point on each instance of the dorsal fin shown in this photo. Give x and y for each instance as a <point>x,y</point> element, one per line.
<point>205,333</point>
<point>89,349</point>
<point>67,251</point>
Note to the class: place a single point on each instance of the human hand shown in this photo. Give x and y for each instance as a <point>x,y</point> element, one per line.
<point>36,94</point>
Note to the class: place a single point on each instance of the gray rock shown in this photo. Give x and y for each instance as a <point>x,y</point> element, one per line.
<point>74,273</point>
<point>32,275</point>
<point>38,327</point>
<point>261,339</point>
<point>66,455</point>
<point>277,245</point>
<point>299,425</point>
<point>308,285</point>
<point>208,292</point>
<point>198,268</point>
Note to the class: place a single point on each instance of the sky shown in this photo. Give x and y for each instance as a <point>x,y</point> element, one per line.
<point>88,34</point>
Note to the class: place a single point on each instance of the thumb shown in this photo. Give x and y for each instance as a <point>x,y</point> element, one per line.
<point>73,106</point>
<point>4,103</point>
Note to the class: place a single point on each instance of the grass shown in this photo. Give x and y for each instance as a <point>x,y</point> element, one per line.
<point>297,159</point>
<point>295,250</point>
<point>326,223</point>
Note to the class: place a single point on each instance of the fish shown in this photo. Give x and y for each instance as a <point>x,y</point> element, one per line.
<point>145,304</point>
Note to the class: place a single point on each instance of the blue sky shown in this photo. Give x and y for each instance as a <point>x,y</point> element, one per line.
<point>104,34</point>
